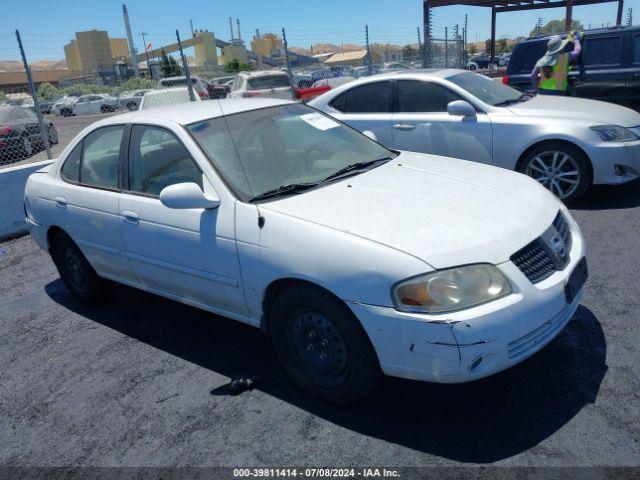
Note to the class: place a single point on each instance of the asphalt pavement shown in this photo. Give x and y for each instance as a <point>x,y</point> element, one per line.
<point>142,381</point>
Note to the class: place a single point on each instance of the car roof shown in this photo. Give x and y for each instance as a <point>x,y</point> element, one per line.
<point>594,31</point>
<point>186,113</point>
<point>263,73</point>
<point>419,72</point>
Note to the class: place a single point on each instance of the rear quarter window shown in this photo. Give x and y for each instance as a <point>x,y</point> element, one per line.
<point>268,81</point>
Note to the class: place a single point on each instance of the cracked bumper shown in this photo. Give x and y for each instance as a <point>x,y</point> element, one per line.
<point>474,343</point>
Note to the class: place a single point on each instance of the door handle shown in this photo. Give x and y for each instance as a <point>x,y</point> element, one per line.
<point>131,217</point>
<point>61,202</point>
<point>404,126</point>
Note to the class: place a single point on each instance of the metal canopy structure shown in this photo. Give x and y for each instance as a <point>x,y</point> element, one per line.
<point>498,6</point>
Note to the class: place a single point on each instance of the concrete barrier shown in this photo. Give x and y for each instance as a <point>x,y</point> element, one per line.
<point>12,183</point>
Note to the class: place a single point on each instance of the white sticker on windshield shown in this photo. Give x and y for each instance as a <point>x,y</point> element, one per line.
<point>319,121</point>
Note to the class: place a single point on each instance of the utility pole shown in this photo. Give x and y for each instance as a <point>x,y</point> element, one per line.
<point>185,67</point>
<point>630,16</point>
<point>446,47</point>
<point>538,26</point>
<point>146,53</point>
<point>466,30</point>
<point>366,38</point>
<point>44,135</point>
<point>285,45</point>
<point>132,48</point>
<point>419,43</point>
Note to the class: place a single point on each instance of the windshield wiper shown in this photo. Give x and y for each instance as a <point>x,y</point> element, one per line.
<point>284,190</point>
<point>356,167</point>
<point>504,103</point>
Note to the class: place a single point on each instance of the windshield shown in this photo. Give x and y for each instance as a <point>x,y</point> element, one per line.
<point>485,89</point>
<point>260,150</point>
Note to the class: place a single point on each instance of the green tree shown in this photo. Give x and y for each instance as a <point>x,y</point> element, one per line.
<point>555,26</point>
<point>408,52</point>
<point>501,45</point>
<point>169,66</point>
<point>472,49</point>
<point>47,91</point>
<point>137,84</point>
<point>233,66</point>
<point>3,96</point>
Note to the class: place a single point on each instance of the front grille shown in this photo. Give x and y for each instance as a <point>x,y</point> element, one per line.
<point>563,229</point>
<point>537,261</point>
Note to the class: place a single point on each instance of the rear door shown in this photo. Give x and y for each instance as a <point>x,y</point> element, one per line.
<point>83,105</point>
<point>422,124</point>
<point>367,107</point>
<point>602,70</point>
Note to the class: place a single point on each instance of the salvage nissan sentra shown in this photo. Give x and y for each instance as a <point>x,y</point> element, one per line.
<point>355,260</point>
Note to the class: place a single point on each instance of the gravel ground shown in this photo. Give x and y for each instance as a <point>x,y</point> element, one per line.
<point>140,381</point>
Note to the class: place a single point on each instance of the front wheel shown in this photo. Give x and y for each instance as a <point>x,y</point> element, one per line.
<point>560,168</point>
<point>74,269</point>
<point>322,346</point>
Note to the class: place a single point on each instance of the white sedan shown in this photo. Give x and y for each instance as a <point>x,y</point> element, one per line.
<point>355,260</point>
<point>565,143</point>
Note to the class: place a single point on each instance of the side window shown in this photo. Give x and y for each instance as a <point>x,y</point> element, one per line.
<point>418,96</point>
<point>369,98</point>
<point>602,51</point>
<point>636,49</point>
<point>71,169</point>
<point>157,159</point>
<point>525,57</point>
<point>101,157</point>
<point>339,102</point>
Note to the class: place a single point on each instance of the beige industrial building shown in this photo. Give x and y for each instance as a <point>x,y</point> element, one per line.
<point>93,49</point>
<point>353,59</point>
<point>266,44</point>
<point>234,52</point>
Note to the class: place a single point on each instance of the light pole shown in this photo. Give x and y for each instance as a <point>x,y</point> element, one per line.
<point>146,53</point>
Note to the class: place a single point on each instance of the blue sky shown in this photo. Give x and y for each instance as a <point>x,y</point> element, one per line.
<point>47,25</point>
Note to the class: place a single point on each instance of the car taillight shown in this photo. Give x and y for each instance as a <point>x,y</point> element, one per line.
<point>203,95</point>
<point>505,80</point>
<point>5,130</point>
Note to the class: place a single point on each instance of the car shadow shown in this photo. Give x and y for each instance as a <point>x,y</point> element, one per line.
<point>609,197</point>
<point>483,421</point>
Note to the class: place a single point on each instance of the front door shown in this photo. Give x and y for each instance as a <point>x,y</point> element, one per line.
<point>367,107</point>
<point>188,253</point>
<point>421,124</point>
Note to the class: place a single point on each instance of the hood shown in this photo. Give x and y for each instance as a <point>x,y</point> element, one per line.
<point>443,211</point>
<point>572,108</point>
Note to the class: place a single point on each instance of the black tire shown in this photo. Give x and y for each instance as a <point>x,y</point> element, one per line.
<point>104,109</point>
<point>132,106</point>
<point>65,112</point>
<point>78,276</point>
<point>580,162</point>
<point>344,375</point>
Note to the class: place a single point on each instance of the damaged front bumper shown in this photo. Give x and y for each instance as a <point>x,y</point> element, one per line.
<point>477,342</point>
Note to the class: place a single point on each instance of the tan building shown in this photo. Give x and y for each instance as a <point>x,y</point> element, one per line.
<point>206,54</point>
<point>388,52</point>
<point>353,59</point>
<point>233,52</point>
<point>266,44</point>
<point>93,49</point>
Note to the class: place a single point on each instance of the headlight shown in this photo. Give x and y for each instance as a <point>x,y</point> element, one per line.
<point>614,133</point>
<point>452,289</point>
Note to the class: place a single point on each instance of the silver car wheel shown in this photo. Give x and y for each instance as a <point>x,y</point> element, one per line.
<point>557,171</point>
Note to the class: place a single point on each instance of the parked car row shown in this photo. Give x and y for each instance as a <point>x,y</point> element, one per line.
<point>20,134</point>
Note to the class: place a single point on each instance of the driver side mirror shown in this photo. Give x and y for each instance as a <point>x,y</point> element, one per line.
<point>461,108</point>
<point>187,195</point>
<point>371,135</point>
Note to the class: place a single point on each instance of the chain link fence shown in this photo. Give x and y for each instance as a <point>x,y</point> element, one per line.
<point>39,117</point>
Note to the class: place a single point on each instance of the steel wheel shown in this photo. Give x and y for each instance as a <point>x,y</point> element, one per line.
<point>557,171</point>
<point>75,267</point>
<point>320,348</point>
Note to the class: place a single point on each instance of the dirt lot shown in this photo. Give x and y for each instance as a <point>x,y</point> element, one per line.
<point>141,381</point>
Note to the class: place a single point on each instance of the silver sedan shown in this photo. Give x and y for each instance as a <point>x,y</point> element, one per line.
<point>565,143</point>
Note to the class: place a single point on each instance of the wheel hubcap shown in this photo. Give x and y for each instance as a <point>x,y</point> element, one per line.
<point>556,171</point>
<point>320,348</point>
<point>75,266</point>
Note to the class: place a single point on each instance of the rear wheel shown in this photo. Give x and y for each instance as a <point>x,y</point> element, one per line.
<point>74,269</point>
<point>322,346</point>
<point>560,168</point>
<point>53,135</point>
<point>26,147</point>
